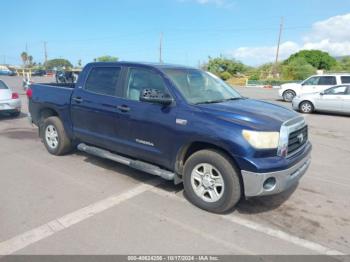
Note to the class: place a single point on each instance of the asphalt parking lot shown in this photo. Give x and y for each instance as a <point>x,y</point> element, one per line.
<point>79,204</point>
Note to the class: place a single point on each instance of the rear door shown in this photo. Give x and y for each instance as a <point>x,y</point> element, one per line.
<point>94,105</point>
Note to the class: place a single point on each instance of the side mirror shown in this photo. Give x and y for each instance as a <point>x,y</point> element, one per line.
<point>155,96</point>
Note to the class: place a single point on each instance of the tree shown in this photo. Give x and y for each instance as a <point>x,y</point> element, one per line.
<point>316,58</point>
<point>30,60</point>
<point>224,68</point>
<point>24,57</point>
<point>106,58</point>
<point>343,64</point>
<point>297,69</point>
<point>58,63</point>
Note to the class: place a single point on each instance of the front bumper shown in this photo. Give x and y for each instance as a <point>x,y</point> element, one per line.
<point>284,179</point>
<point>10,105</point>
<point>295,103</point>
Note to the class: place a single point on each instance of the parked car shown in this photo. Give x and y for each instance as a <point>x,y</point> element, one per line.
<point>8,72</point>
<point>9,101</point>
<point>316,83</point>
<point>39,73</point>
<point>335,99</point>
<point>179,123</point>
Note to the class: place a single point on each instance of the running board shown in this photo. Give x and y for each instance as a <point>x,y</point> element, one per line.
<point>136,164</point>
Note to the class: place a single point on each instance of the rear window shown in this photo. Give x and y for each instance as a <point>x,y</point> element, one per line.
<point>103,80</point>
<point>327,80</point>
<point>2,85</point>
<point>345,79</point>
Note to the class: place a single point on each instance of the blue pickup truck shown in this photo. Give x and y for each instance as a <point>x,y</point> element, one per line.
<point>179,123</point>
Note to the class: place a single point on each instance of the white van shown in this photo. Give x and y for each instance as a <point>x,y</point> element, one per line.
<point>313,84</point>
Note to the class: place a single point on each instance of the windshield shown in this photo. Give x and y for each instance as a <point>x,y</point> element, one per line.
<point>2,85</point>
<point>200,87</point>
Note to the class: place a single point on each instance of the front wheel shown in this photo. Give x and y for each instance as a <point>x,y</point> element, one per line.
<point>54,136</point>
<point>306,107</point>
<point>211,181</point>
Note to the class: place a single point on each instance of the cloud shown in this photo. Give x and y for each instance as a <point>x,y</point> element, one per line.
<point>330,35</point>
<point>264,54</point>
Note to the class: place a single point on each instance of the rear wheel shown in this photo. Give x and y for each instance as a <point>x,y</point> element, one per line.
<point>288,95</point>
<point>54,136</point>
<point>306,107</point>
<point>211,181</point>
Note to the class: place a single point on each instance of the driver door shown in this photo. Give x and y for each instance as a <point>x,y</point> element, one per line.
<point>309,85</point>
<point>146,129</point>
<point>331,99</point>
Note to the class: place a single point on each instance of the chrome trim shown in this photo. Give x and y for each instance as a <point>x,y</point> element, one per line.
<point>254,182</point>
<point>287,128</point>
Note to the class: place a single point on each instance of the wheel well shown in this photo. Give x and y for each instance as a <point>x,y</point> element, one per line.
<point>190,149</point>
<point>289,90</point>
<point>47,112</point>
<point>43,114</point>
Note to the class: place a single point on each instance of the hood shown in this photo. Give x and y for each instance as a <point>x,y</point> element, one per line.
<point>255,114</point>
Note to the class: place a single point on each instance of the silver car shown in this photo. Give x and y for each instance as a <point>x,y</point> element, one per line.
<point>335,99</point>
<point>9,101</point>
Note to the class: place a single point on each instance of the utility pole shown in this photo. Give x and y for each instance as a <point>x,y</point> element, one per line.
<point>278,44</point>
<point>45,52</point>
<point>160,48</point>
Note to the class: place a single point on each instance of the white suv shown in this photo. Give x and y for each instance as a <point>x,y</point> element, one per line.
<point>313,84</point>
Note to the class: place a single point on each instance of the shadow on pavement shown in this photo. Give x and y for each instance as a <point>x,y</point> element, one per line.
<point>263,204</point>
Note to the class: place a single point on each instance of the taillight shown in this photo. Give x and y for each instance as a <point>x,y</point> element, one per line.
<point>15,95</point>
<point>29,93</point>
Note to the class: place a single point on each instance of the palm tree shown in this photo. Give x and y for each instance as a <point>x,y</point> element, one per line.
<point>30,60</point>
<point>24,57</point>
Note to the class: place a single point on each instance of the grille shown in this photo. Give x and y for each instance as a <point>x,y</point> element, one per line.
<point>297,139</point>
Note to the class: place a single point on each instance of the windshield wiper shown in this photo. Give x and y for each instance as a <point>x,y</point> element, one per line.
<point>219,100</point>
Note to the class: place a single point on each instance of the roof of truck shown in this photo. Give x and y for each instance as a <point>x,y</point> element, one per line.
<point>147,64</point>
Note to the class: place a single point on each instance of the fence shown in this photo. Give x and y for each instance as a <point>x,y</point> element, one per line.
<point>269,82</point>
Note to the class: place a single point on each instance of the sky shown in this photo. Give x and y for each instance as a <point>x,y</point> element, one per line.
<point>192,30</point>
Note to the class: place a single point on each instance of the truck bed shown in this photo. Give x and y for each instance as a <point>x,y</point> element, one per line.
<point>54,96</point>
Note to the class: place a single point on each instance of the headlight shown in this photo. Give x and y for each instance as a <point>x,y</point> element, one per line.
<point>261,140</point>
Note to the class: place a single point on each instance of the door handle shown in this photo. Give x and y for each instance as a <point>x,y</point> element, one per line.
<point>77,99</point>
<point>123,108</point>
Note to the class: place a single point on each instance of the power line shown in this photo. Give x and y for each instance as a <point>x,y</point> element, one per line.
<point>45,51</point>
<point>278,43</point>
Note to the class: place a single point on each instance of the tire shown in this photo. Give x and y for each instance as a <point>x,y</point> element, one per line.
<point>306,107</point>
<point>288,95</point>
<point>54,136</point>
<point>198,186</point>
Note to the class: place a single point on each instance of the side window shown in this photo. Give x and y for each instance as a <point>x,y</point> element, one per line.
<point>312,81</point>
<point>140,79</point>
<point>327,80</point>
<point>338,90</point>
<point>345,79</point>
<point>103,80</point>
